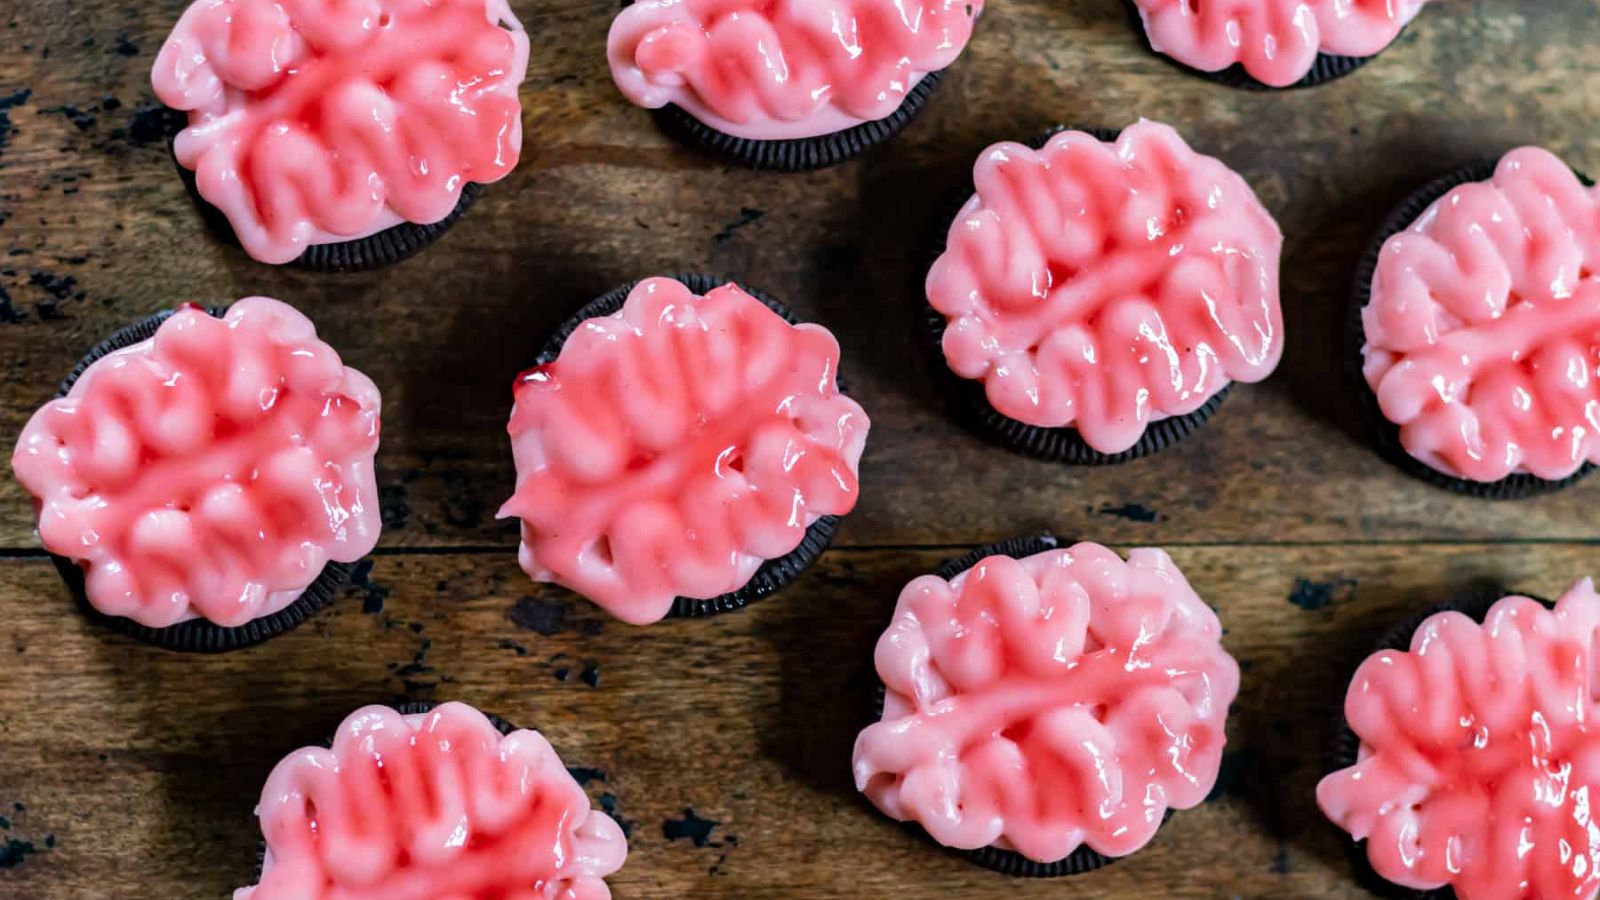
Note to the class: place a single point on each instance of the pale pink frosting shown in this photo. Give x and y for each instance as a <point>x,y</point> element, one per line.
<point>1039,704</point>
<point>1277,41</point>
<point>1104,286</point>
<point>778,69</point>
<point>1480,756</point>
<point>313,122</point>
<point>212,471</point>
<point>437,806</point>
<point>1483,328</point>
<point>675,446</point>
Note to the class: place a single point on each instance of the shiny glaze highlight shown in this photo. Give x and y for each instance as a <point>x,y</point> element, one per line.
<point>245,437</point>
<point>781,69</point>
<point>675,446</point>
<point>1105,286</point>
<point>313,122</point>
<point>1040,704</point>
<point>1480,757</point>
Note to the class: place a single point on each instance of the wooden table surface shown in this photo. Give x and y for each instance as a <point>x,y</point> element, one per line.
<point>724,745</point>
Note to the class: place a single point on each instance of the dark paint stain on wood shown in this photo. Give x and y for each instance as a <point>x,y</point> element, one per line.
<point>14,852</point>
<point>373,594</point>
<point>9,314</point>
<point>747,216</point>
<point>583,775</point>
<point>508,644</point>
<point>7,103</point>
<point>608,805</point>
<point>1314,595</point>
<point>547,619</point>
<point>1133,512</point>
<point>691,826</point>
<point>562,673</point>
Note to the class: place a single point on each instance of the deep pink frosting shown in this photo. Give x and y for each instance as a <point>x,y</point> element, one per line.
<point>1277,41</point>
<point>244,438</point>
<point>1483,329</point>
<point>437,806</point>
<point>1480,757</point>
<point>1040,704</point>
<point>1104,286</point>
<point>675,446</point>
<point>777,69</point>
<point>314,122</point>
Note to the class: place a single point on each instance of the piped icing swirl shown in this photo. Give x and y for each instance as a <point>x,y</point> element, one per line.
<point>779,69</point>
<point>1277,41</point>
<point>1106,285</point>
<point>675,446</point>
<point>1483,327</point>
<point>314,122</point>
<point>1039,704</point>
<point>1479,755</point>
<point>434,806</point>
<point>244,436</point>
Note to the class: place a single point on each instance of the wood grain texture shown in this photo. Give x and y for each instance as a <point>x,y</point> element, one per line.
<point>147,764</point>
<point>127,767</point>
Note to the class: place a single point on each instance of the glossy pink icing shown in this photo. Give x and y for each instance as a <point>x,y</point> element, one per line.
<point>779,69</point>
<point>1104,286</point>
<point>1039,704</point>
<point>1483,328</point>
<point>1277,41</point>
<point>437,806</point>
<point>243,436</point>
<point>314,122</point>
<point>675,446</point>
<point>1479,756</point>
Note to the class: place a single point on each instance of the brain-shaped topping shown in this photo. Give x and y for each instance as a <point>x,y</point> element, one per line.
<point>314,122</point>
<point>1039,704</point>
<point>1277,41</point>
<point>1104,286</point>
<point>436,806</point>
<point>211,471</point>
<point>1479,761</point>
<point>675,446</point>
<point>776,69</point>
<point>1483,330</point>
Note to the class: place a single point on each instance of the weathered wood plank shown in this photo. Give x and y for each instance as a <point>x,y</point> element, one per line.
<point>144,765</point>
<point>101,232</point>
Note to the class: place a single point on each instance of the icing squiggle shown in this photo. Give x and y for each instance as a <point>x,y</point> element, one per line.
<point>777,69</point>
<point>245,437</point>
<point>1039,704</point>
<point>675,446</point>
<point>436,806</point>
<point>1277,41</point>
<point>314,122</point>
<point>1480,759</point>
<point>1483,328</point>
<point>1104,286</point>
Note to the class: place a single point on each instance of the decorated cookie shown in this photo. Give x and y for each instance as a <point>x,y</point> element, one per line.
<point>343,135</point>
<point>439,805</point>
<point>1472,752</point>
<point>1098,295</point>
<point>1273,43</point>
<point>682,446</point>
<point>203,478</point>
<point>1479,327</point>
<point>786,84</point>
<point>1046,712</point>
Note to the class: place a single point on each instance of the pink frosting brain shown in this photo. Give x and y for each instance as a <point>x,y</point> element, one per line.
<point>675,446</point>
<point>1479,756</point>
<point>437,806</point>
<point>314,122</point>
<point>773,69</point>
<point>1483,329</point>
<point>244,437</point>
<point>1104,286</point>
<point>1277,41</point>
<point>1040,704</point>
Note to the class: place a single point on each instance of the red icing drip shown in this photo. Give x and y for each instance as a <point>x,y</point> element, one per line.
<point>675,446</point>
<point>1479,756</point>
